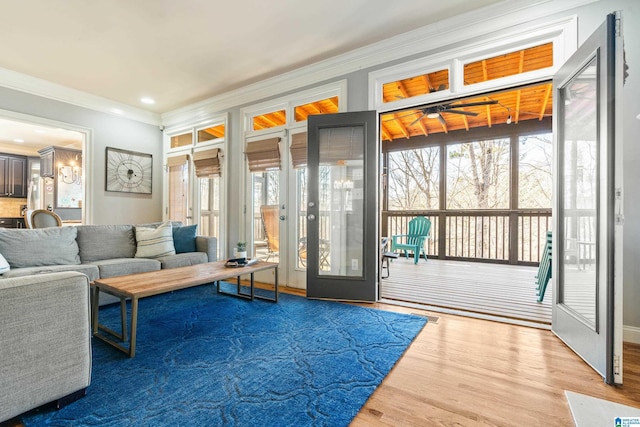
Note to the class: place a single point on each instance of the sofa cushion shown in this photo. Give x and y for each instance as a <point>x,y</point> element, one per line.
<point>92,241</point>
<point>183,260</point>
<point>91,271</point>
<point>124,266</point>
<point>4,265</point>
<point>38,247</point>
<point>184,238</point>
<point>154,242</point>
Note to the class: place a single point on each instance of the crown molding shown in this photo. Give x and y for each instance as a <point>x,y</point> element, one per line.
<point>46,89</point>
<point>467,26</point>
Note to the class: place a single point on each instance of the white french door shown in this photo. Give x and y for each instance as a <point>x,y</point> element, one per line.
<point>274,228</point>
<point>587,240</point>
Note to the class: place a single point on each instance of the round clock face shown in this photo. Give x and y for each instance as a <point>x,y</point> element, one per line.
<point>128,171</point>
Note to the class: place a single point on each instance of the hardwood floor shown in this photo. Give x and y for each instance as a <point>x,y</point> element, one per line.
<point>461,371</point>
<point>468,372</point>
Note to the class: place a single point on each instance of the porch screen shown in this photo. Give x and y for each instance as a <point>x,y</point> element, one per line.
<point>299,150</point>
<point>263,155</point>
<point>207,163</point>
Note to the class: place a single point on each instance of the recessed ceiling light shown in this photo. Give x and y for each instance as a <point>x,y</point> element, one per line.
<point>117,111</point>
<point>18,140</point>
<point>147,100</point>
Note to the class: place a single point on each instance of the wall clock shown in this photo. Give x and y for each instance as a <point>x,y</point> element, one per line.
<point>128,171</point>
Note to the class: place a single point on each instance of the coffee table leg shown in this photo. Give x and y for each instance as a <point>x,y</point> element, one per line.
<point>252,284</point>
<point>134,326</point>
<point>123,317</point>
<point>94,308</point>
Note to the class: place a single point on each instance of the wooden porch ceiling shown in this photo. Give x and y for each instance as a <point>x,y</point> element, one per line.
<point>524,103</point>
<point>528,103</point>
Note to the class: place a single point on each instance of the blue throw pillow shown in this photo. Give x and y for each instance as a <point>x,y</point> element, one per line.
<point>184,238</point>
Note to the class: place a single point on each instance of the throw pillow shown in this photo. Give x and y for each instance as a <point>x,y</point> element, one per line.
<point>4,265</point>
<point>23,247</point>
<point>184,238</point>
<point>154,242</point>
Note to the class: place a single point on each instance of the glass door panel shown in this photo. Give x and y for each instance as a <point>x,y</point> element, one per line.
<point>266,215</point>
<point>210,209</point>
<point>342,207</point>
<point>340,189</point>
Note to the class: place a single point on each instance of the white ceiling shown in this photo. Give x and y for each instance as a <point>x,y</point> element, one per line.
<point>24,138</point>
<point>181,52</point>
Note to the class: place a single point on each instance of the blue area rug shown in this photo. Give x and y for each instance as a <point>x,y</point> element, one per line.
<point>205,359</point>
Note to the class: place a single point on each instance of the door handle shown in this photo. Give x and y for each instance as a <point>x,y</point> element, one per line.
<point>311,217</point>
<point>282,217</point>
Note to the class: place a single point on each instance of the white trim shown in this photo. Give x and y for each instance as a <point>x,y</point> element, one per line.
<point>632,334</point>
<point>46,89</point>
<point>87,154</point>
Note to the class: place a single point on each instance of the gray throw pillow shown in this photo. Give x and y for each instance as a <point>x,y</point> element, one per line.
<point>98,242</point>
<point>38,247</point>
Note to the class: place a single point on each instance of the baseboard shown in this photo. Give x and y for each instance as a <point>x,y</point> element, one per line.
<point>631,334</point>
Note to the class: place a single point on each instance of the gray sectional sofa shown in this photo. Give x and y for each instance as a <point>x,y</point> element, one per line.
<point>45,333</point>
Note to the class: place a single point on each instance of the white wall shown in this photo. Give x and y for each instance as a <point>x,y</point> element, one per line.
<point>107,131</point>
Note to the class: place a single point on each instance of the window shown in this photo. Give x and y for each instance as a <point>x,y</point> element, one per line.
<point>518,62</point>
<point>269,120</point>
<point>323,106</point>
<point>181,140</point>
<point>478,175</point>
<point>178,182</point>
<point>211,133</point>
<point>415,86</point>
<point>413,179</point>
<point>534,180</point>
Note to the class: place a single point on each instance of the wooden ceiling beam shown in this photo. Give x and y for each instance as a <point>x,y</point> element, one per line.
<point>402,127</point>
<point>423,127</point>
<point>545,101</point>
<point>403,89</point>
<point>488,107</point>
<point>386,135</point>
<point>427,83</point>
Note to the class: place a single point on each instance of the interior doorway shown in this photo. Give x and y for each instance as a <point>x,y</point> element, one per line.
<point>54,155</point>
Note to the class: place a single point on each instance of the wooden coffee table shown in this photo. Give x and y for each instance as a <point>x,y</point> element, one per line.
<point>136,286</point>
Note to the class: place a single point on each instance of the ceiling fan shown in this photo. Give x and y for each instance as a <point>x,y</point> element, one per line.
<point>435,112</point>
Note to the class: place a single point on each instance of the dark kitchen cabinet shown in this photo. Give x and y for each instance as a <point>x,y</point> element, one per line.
<point>13,176</point>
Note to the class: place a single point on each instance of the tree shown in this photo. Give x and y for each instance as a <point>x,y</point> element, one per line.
<point>413,179</point>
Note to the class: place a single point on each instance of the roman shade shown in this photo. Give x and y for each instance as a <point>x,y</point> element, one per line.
<point>207,162</point>
<point>263,155</point>
<point>177,160</point>
<point>299,150</point>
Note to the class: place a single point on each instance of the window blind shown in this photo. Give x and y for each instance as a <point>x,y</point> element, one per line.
<point>207,163</point>
<point>299,150</point>
<point>263,155</point>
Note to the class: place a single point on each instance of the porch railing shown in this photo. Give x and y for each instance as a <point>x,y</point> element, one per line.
<point>508,236</point>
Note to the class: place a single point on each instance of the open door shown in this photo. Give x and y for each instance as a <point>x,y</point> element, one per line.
<point>587,239</point>
<point>342,206</point>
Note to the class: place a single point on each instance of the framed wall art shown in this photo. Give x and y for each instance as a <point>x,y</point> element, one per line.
<point>128,171</point>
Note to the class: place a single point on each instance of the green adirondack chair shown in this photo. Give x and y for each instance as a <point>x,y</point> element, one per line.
<point>414,240</point>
